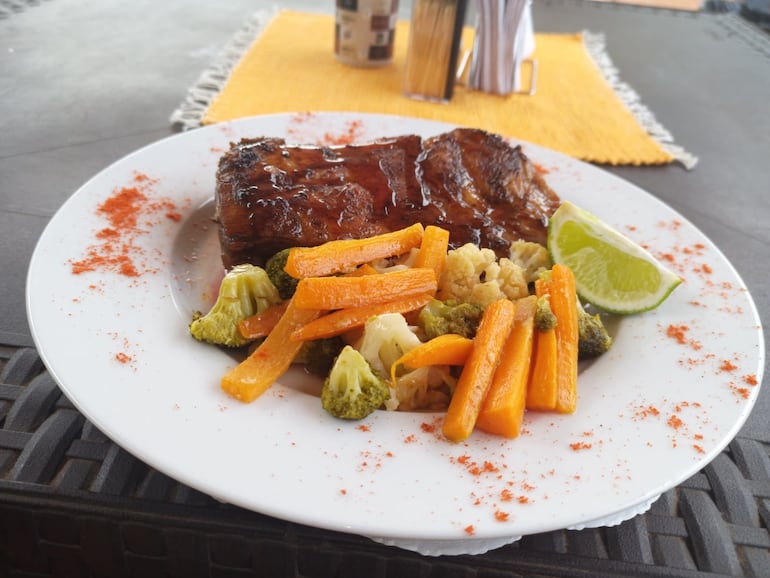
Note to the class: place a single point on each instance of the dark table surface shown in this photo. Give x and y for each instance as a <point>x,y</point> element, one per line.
<point>84,83</point>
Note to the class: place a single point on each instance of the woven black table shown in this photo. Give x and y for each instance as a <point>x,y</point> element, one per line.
<point>73,503</point>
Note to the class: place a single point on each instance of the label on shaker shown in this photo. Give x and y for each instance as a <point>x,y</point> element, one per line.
<point>364,31</point>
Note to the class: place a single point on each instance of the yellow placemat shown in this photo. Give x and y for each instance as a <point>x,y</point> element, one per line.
<point>580,107</point>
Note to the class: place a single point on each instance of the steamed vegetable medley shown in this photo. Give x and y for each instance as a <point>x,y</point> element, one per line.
<point>400,322</point>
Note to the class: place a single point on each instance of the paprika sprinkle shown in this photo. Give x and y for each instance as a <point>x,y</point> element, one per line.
<point>129,212</point>
<point>751,379</point>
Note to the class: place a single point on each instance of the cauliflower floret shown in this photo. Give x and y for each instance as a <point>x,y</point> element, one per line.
<point>532,257</point>
<point>386,337</point>
<point>474,275</point>
<point>425,388</point>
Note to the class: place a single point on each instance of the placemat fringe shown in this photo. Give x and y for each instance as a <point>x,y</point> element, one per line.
<point>596,46</point>
<point>212,80</point>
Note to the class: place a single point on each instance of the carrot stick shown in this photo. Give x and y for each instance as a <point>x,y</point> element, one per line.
<point>255,374</point>
<point>476,376</point>
<point>261,324</point>
<point>343,320</point>
<point>339,255</point>
<point>447,349</point>
<point>345,292</point>
<point>502,410</point>
<point>542,386</point>
<point>541,389</point>
<point>564,307</point>
<point>433,249</point>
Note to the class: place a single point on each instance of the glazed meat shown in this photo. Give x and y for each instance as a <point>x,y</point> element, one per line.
<point>271,195</point>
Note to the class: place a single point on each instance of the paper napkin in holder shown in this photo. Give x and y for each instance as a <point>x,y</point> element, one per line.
<point>504,41</point>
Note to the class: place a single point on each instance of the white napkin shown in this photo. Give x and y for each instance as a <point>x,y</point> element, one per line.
<point>504,39</point>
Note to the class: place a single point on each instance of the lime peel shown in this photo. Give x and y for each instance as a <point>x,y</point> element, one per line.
<point>612,272</point>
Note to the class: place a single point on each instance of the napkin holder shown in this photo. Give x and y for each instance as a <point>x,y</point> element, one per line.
<point>502,49</point>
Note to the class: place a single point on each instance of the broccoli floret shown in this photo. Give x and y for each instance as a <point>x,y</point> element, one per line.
<point>285,283</point>
<point>440,317</point>
<point>353,390</point>
<point>245,290</point>
<point>318,355</point>
<point>593,338</point>
<point>545,320</point>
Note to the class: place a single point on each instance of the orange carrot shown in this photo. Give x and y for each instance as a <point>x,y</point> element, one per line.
<point>433,249</point>
<point>447,349</point>
<point>345,292</point>
<point>261,324</point>
<point>502,410</point>
<point>339,255</point>
<point>344,320</point>
<point>542,386</point>
<point>541,389</point>
<point>255,374</point>
<point>564,306</point>
<point>476,376</point>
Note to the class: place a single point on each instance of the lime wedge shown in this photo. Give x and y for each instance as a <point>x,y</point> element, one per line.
<point>611,271</point>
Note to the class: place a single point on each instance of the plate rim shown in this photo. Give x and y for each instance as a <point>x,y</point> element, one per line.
<point>49,363</point>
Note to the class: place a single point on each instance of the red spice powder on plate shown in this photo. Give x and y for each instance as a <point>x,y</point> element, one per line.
<point>742,392</point>
<point>350,135</point>
<point>675,422</point>
<point>678,332</point>
<point>428,427</point>
<point>123,357</point>
<point>751,379</point>
<point>578,446</point>
<point>303,128</point>
<point>728,365</point>
<point>129,212</point>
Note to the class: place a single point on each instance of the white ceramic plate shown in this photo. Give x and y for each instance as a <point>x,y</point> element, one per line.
<point>673,391</point>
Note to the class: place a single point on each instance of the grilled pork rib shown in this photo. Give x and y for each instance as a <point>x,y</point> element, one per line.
<point>271,195</point>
